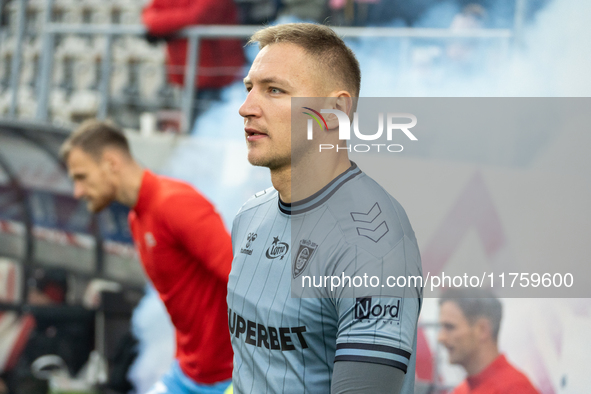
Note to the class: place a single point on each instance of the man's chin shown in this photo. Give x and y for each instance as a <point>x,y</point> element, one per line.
<point>95,208</point>
<point>270,163</point>
<point>258,161</point>
<point>450,357</point>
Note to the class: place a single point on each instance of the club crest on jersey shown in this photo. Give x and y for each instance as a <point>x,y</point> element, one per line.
<point>249,240</point>
<point>150,240</point>
<point>277,249</point>
<point>303,256</point>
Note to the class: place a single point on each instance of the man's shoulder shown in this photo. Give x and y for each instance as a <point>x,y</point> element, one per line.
<point>514,381</point>
<point>359,192</point>
<point>369,216</point>
<point>505,378</point>
<point>258,199</point>
<point>174,193</point>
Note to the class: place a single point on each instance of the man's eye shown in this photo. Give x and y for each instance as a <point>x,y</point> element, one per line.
<point>248,89</point>
<point>275,90</point>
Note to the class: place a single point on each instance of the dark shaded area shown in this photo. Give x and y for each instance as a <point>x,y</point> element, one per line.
<point>65,331</point>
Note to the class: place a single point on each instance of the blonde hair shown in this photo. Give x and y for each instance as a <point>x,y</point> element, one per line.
<point>93,136</point>
<point>331,52</point>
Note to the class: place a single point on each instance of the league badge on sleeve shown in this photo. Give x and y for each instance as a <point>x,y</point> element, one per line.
<point>303,256</point>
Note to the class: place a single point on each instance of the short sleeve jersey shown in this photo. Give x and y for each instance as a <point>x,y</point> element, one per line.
<point>288,344</point>
<point>186,252</point>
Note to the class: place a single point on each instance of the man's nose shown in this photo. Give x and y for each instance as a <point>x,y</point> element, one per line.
<point>78,191</point>
<point>251,106</point>
<point>441,336</point>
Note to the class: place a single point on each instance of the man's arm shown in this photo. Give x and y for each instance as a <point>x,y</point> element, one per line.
<point>198,227</point>
<point>350,377</point>
<point>162,19</point>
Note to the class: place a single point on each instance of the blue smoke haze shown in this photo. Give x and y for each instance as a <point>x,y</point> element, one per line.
<point>551,61</point>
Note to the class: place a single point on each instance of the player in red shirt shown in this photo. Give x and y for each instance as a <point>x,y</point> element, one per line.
<point>470,323</point>
<point>220,60</point>
<point>183,244</point>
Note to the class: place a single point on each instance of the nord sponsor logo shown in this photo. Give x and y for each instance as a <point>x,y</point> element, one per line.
<point>366,309</point>
<point>277,249</point>
<point>259,335</point>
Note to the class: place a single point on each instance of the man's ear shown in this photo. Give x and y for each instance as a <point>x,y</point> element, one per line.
<point>343,103</point>
<point>484,328</point>
<point>331,121</point>
<point>111,159</point>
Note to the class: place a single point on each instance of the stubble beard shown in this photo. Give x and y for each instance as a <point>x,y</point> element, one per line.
<point>270,158</point>
<point>96,207</point>
<point>273,162</point>
<point>98,204</point>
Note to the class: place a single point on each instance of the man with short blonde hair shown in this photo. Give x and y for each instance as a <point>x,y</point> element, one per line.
<point>305,225</point>
<point>334,59</point>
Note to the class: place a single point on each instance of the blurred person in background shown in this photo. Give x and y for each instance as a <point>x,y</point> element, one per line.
<point>220,60</point>
<point>183,246</point>
<point>470,320</point>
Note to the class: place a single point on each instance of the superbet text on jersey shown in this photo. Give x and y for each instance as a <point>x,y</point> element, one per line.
<point>288,344</point>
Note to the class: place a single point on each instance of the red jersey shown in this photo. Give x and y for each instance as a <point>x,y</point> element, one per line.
<point>220,60</point>
<point>499,377</point>
<point>187,253</point>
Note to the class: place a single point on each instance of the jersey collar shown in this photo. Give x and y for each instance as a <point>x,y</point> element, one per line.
<point>320,197</point>
<point>492,372</point>
<point>147,190</point>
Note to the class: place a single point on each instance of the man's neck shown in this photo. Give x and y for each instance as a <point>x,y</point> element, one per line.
<point>130,183</point>
<point>482,360</point>
<point>281,179</point>
<point>308,176</point>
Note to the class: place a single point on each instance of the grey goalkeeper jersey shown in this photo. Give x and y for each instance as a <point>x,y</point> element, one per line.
<point>288,325</point>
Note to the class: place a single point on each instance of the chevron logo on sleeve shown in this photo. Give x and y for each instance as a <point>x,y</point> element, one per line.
<point>375,233</point>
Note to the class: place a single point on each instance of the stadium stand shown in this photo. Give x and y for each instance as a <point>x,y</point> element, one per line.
<point>76,59</point>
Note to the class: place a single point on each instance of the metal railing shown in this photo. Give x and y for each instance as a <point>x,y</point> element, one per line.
<point>194,36</point>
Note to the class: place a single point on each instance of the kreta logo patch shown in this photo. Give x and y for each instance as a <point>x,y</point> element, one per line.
<point>303,256</point>
<point>277,249</point>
